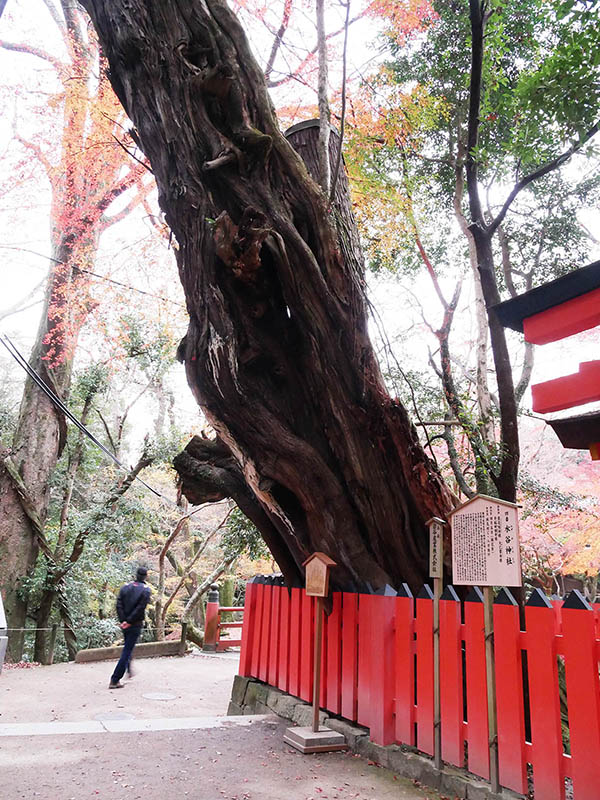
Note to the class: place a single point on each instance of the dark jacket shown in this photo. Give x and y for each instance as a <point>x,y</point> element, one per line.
<point>132,601</point>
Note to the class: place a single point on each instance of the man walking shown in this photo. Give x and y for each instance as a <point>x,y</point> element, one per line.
<point>131,608</point>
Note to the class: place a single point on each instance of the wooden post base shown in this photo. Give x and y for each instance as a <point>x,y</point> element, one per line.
<point>308,741</point>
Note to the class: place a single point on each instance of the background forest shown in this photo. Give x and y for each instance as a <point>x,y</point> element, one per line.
<point>92,301</point>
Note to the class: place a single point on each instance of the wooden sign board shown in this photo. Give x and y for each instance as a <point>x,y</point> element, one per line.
<point>317,574</point>
<point>436,547</point>
<point>485,543</point>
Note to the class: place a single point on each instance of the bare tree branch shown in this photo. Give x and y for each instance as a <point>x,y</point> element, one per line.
<point>550,166</point>
<point>30,50</point>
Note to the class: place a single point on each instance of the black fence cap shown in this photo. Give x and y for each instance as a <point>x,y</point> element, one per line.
<point>386,591</point>
<point>425,593</point>
<point>576,600</point>
<point>449,593</point>
<point>505,598</point>
<point>538,599</point>
<point>405,591</point>
<point>475,595</point>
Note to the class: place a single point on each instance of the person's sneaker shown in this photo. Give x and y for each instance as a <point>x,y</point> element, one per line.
<point>117,685</point>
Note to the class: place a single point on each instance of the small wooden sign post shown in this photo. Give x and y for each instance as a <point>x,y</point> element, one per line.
<point>316,739</point>
<point>486,552</point>
<point>436,571</point>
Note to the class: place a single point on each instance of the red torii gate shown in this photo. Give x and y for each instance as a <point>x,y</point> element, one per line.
<point>551,312</point>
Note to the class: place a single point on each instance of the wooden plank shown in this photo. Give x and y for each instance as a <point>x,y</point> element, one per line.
<point>476,686</point>
<point>349,689</point>
<point>307,647</point>
<point>257,640</point>
<point>365,656</point>
<point>323,667</point>
<point>295,632</point>
<point>424,672</point>
<point>284,641</point>
<point>333,671</point>
<point>583,695</point>
<point>248,630</point>
<point>546,737</point>
<point>382,688</point>
<point>274,640</point>
<point>512,755</point>
<point>451,679</point>
<point>265,634</point>
<point>405,669</point>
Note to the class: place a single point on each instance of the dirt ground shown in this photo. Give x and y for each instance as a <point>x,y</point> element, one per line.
<point>237,760</point>
<point>201,686</point>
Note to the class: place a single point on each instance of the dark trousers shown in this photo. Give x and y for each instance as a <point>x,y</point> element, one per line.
<point>130,635</point>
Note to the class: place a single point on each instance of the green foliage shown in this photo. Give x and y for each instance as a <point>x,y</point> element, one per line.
<point>241,536</point>
<point>150,344</point>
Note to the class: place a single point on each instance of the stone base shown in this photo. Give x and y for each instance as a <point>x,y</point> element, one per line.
<point>308,741</point>
<point>251,696</point>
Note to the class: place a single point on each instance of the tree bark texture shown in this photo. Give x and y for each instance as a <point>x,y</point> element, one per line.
<point>277,352</point>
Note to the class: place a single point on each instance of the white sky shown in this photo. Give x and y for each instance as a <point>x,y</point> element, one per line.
<point>25,225</point>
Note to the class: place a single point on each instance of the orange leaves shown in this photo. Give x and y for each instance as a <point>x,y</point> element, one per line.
<point>406,17</point>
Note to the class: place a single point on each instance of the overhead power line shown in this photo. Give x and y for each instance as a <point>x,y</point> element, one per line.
<point>96,275</point>
<point>22,362</point>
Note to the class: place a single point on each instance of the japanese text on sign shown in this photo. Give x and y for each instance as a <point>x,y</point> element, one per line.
<point>435,549</point>
<point>485,544</point>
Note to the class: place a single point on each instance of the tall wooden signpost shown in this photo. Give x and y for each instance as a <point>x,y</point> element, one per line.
<point>485,552</point>
<point>436,571</point>
<point>316,738</point>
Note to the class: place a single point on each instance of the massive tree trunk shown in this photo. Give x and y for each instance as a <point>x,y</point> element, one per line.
<point>277,351</point>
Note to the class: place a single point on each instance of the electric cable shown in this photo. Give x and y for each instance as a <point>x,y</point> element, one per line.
<point>21,361</point>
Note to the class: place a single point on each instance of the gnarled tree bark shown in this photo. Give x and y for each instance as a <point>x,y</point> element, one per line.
<point>277,352</point>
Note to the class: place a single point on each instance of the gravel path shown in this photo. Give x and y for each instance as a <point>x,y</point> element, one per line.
<point>221,759</point>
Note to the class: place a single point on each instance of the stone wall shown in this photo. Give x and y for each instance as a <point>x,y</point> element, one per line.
<point>250,696</point>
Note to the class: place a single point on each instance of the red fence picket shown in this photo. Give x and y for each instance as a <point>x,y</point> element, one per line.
<point>424,671</point>
<point>248,627</point>
<point>476,685</point>
<point>284,640</point>
<point>542,667</point>
<point>366,611</point>
<point>381,695</point>
<point>405,668</point>
<point>377,666</point>
<point>306,648</point>
<point>349,699</point>
<point>583,695</point>
<point>512,760</point>
<point>295,629</point>
<point>451,679</point>
<point>332,672</point>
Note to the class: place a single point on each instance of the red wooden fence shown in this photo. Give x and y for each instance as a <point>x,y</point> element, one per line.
<point>378,671</point>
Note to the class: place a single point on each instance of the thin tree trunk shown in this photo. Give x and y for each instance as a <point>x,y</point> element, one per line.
<point>324,112</point>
